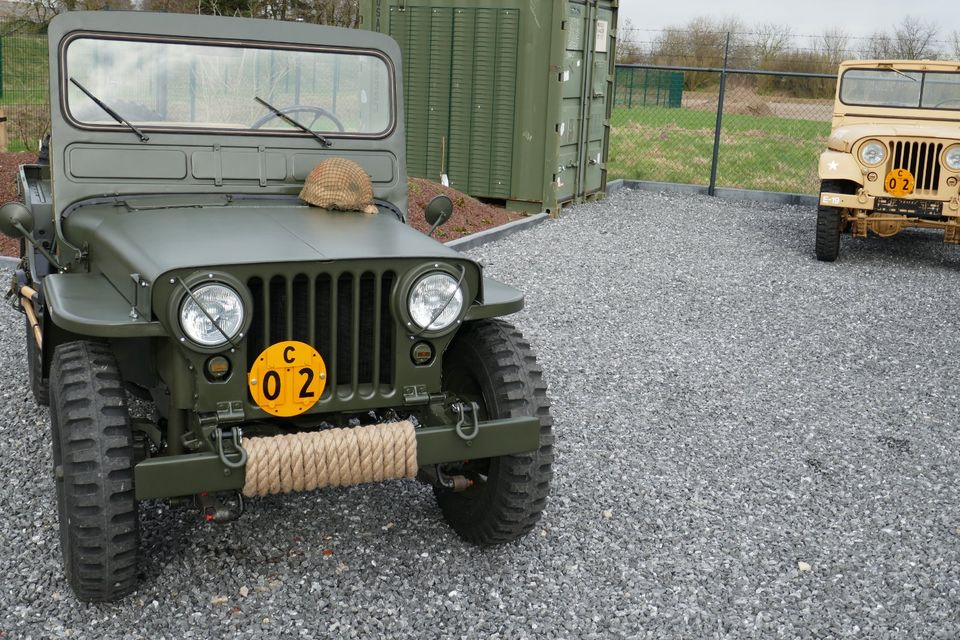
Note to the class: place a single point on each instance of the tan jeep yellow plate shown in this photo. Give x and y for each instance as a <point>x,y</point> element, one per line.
<point>899,183</point>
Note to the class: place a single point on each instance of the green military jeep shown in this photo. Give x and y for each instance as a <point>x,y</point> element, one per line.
<point>285,346</point>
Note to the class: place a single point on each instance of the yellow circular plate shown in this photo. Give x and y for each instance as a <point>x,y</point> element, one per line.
<point>287,378</point>
<point>899,183</point>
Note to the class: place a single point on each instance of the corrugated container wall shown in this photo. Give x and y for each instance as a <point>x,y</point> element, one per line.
<point>495,94</point>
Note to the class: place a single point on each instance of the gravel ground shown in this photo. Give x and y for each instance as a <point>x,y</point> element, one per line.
<point>751,444</point>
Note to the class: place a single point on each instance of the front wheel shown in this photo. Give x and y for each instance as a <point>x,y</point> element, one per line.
<point>93,467</point>
<point>39,385</point>
<point>828,234</point>
<point>491,364</point>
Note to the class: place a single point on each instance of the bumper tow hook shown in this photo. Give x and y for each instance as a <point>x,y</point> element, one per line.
<point>473,430</point>
<point>237,436</point>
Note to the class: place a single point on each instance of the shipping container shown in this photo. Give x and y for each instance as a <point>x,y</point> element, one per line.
<point>510,99</point>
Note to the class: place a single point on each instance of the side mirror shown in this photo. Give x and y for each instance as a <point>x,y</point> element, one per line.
<point>438,212</point>
<point>15,220</point>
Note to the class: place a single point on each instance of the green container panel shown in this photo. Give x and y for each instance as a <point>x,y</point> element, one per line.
<point>495,92</point>
<point>637,87</point>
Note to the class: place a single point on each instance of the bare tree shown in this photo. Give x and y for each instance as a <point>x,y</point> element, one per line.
<point>628,48</point>
<point>770,41</point>
<point>914,39</point>
<point>833,46</point>
<point>42,11</point>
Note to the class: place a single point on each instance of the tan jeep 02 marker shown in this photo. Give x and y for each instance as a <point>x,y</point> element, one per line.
<point>893,158</point>
<point>217,227</point>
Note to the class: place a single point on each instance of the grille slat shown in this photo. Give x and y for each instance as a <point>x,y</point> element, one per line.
<point>347,317</point>
<point>377,301</point>
<point>922,159</point>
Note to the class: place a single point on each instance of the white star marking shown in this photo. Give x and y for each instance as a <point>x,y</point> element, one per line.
<point>834,165</point>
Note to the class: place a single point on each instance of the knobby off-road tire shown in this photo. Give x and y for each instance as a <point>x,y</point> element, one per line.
<point>38,385</point>
<point>829,222</point>
<point>828,233</point>
<point>491,364</point>
<point>93,467</point>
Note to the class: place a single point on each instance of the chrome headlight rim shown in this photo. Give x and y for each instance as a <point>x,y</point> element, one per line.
<point>401,297</point>
<point>452,312</point>
<point>872,144</point>
<point>953,149</point>
<point>179,297</point>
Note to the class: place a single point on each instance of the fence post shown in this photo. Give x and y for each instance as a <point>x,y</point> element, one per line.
<point>712,189</point>
<point>1,67</point>
<point>633,77</point>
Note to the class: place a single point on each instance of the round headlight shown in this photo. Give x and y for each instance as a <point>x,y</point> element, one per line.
<point>873,153</point>
<point>952,158</point>
<point>435,301</point>
<point>222,305</point>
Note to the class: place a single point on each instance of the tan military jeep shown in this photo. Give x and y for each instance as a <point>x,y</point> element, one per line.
<point>893,158</point>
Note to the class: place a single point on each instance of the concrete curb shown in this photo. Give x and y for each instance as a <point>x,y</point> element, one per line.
<point>481,238</point>
<point>6,261</point>
<point>723,193</point>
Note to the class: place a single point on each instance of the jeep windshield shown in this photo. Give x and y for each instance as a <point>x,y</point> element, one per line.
<point>901,88</point>
<point>160,85</point>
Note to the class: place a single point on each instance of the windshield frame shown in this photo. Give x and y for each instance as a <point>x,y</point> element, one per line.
<point>64,79</point>
<point>895,71</point>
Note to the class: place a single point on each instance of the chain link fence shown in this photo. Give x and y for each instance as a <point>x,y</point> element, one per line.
<point>747,129</point>
<point>24,87</point>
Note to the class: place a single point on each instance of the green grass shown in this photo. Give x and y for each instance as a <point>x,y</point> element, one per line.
<point>24,69</point>
<point>756,152</point>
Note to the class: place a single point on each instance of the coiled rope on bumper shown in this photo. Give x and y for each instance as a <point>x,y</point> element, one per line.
<point>331,458</point>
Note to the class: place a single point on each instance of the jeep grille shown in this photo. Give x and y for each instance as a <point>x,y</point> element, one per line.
<point>346,316</point>
<point>922,159</point>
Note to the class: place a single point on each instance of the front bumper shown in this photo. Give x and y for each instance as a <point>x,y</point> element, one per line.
<point>865,202</point>
<point>189,474</point>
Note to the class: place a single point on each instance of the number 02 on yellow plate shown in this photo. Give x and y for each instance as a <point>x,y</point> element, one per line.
<point>899,183</point>
<point>287,378</point>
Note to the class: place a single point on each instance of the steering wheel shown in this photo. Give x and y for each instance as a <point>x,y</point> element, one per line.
<point>318,112</point>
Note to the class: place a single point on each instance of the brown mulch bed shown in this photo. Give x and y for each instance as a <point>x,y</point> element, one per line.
<point>9,163</point>
<point>469,214</point>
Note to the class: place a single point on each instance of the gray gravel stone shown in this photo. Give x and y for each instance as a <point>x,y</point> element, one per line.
<point>726,407</point>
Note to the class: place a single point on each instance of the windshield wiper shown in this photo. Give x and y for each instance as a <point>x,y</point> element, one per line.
<point>113,114</point>
<point>292,122</point>
<point>901,73</point>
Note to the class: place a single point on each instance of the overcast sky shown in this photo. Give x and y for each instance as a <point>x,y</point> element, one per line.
<point>857,17</point>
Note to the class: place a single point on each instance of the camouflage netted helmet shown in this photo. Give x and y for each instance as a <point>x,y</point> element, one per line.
<point>339,184</point>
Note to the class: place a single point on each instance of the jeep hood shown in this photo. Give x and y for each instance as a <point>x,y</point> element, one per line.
<point>844,137</point>
<point>151,240</point>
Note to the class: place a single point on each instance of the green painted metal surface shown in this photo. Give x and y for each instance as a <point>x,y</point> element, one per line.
<point>510,99</point>
<point>636,87</point>
<point>188,474</point>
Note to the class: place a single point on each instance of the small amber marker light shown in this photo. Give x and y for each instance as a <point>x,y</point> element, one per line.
<point>218,367</point>
<point>422,353</point>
